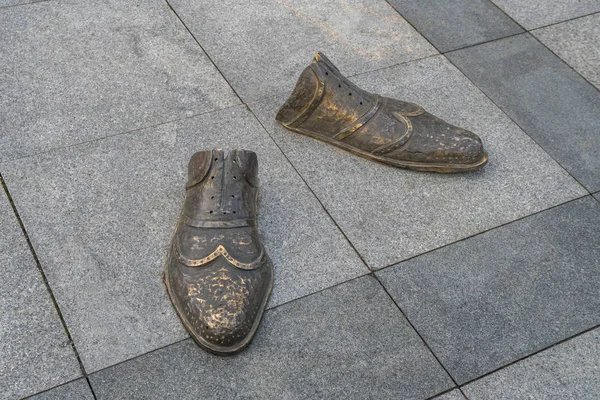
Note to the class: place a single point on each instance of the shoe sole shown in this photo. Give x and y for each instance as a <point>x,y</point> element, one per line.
<point>411,165</point>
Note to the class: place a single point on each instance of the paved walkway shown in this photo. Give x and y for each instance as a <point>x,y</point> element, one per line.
<point>390,284</point>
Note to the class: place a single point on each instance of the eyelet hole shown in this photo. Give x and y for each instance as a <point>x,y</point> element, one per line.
<point>361,103</point>
<point>212,177</point>
<point>349,94</point>
<point>216,159</point>
<point>232,196</point>
<point>340,85</point>
<point>234,177</point>
<point>210,212</point>
<point>234,212</point>
<point>326,73</point>
<point>212,197</point>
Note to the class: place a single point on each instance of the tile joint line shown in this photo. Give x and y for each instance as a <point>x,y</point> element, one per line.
<point>46,283</point>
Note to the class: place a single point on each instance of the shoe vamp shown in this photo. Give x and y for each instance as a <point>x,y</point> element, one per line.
<point>434,140</point>
<point>241,243</point>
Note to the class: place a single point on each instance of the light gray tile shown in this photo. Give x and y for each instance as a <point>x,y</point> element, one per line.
<point>453,395</point>
<point>77,70</point>
<point>537,13</point>
<point>552,104</point>
<point>261,46</point>
<point>497,297</point>
<point>570,370</point>
<point>35,353</point>
<point>7,3</point>
<point>450,25</point>
<point>391,214</point>
<point>101,214</point>
<point>347,342</point>
<point>576,42</point>
<point>76,390</point>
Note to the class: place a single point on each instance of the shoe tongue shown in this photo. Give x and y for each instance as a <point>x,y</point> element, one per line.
<point>330,70</point>
<point>322,58</point>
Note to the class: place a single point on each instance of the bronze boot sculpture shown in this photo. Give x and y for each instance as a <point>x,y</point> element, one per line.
<point>217,274</point>
<point>327,106</point>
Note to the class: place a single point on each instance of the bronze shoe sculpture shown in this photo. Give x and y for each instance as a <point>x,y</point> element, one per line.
<point>327,106</point>
<point>218,274</point>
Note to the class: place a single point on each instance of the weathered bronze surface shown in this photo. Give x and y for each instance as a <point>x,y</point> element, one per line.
<point>327,106</point>
<point>218,274</point>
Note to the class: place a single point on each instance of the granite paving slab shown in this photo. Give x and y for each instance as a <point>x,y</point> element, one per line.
<point>453,395</point>
<point>542,94</point>
<point>502,295</point>
<point>100,216</point>
<point>390,214</point>
<point>9,3</point>
<point>567,371</point>
<point>35,353</point>
<point>537,13</point>
<point>76,390</point>
<point>262,46</point>
<point>576,42</point>
<point>74,71</point>
<point>450,25</point>
<point>349,341</point>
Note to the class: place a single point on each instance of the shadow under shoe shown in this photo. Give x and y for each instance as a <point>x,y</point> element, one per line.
<point>218,274</point>
<point>327,106</point>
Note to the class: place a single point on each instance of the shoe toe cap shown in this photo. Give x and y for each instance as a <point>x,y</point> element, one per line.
<point>220,305</point>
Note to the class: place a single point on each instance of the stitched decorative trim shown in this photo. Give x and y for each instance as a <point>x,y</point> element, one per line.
<point>221,251</point>
<point>402,117</point>
<point>344,133</point>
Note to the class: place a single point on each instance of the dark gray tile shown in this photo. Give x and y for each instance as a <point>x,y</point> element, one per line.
<point>453,24</point>
<point>74,71</point>
<point>349,341</point>
<point>569,370</point>
<point>537,13</point>
<point>506,293</point>
<point>551,102</point>
<point>391,214</point>
<point>101,215</point>
<point>576,42</point>
<point>35,353</point>
<point>261,46</point>
<point>76,390</point>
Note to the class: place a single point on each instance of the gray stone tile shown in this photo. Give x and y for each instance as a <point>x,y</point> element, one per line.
<point>576,42</point>
<point>537,13</point>
<point>101,215</point>
<point>76,390</point>
<point>548,100</point>
<point>453,395</point>
<point>391,214</point>
<point>567,371</point>
<point>262,46</point>
<point>7,3</point>
<point>347,342</point>
<point>35,353</point>
<point>450,25</point>
<point>75,71</point>
<point>497,297</point>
